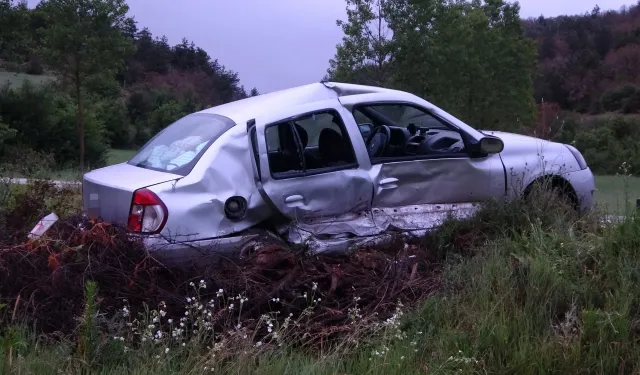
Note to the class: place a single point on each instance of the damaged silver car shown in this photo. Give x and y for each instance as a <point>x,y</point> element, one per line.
<point>329,165</point>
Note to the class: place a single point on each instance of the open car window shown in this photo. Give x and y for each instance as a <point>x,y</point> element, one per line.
<point>311,144</point>
<point>178,147</point>
<point>402,131</point>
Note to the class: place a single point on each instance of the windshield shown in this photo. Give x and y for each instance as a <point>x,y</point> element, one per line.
<point>178,147</point>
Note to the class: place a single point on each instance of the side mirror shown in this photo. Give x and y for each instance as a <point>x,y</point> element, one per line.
<point>491,145</point>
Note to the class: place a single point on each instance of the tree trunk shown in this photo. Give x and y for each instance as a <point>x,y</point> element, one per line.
<point>80,121</point>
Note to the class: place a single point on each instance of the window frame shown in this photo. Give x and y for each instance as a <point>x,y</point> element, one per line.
<point>253,139</point>
<point>394,159</point>
<point>306,172</point>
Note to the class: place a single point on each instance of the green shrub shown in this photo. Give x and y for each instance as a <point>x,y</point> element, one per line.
<point>606,141</point>
<point>44,119</point>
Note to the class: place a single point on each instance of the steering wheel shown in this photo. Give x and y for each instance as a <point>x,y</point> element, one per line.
<point>378,141</point>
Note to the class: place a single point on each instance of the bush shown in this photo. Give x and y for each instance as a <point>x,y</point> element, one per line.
<point>606,141</point>
<point>45,121</point>
<point>21,206</point>
<point>621,99</point>
<point>118,128</point>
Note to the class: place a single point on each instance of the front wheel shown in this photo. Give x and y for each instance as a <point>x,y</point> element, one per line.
<point>551,193</point>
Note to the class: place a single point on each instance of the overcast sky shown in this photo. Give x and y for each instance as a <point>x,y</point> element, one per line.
<point>275,44</point>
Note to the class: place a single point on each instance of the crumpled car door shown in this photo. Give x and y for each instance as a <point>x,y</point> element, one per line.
<point>307,162</point>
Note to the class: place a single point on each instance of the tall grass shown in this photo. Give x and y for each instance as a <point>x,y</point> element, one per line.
<point>526,289</point>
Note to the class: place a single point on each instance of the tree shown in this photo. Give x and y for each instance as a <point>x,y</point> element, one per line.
<point>470,57</point>
<point>254,92</point>
<point>84,39</point>
<point>15,37</point>
<point>365,54</point>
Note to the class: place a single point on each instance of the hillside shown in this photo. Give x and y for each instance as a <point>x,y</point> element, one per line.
<point>588,63</point>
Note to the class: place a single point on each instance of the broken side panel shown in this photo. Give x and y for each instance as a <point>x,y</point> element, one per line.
<point>415,194</point>
<point>307,164</point>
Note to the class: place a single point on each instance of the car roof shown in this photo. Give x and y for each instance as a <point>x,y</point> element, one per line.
<point>241,110</point>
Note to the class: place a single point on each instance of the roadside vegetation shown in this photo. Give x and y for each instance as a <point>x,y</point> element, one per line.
<point>527,288</point>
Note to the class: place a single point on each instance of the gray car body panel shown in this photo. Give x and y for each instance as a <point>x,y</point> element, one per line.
<point>332,211</point>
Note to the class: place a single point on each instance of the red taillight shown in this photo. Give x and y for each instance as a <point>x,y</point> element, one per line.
<point>148,214</point>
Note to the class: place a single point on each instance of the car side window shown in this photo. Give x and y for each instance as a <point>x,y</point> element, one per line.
<point>413,132</point>
<point>311,144</point>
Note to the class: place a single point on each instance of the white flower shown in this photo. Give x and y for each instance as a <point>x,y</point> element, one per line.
<point>163,313</point>
<point>188,299</point>
<point>166,350</point>
<point>170,321</point>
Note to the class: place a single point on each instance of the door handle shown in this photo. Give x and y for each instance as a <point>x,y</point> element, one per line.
<point>293,199</point>
<point>388,181</point>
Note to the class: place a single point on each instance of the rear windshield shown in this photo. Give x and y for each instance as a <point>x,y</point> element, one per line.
<point>178,147</point>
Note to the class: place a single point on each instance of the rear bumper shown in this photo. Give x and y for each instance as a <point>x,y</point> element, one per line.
<point>170,251</point>
<point>583,184</point>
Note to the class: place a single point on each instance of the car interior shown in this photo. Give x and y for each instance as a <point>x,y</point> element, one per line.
<point>401,130</point>
<point>323,139</point>
<point>389,131</point>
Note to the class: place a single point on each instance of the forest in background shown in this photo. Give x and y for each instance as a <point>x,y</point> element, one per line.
<point>570,78</point>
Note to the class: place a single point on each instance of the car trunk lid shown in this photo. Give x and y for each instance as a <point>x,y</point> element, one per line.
<point>107,192</point>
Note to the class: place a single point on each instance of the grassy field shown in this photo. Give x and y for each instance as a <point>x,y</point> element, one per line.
<point>119,156</point>
<point>612,191</point>
<point>16,79</point>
